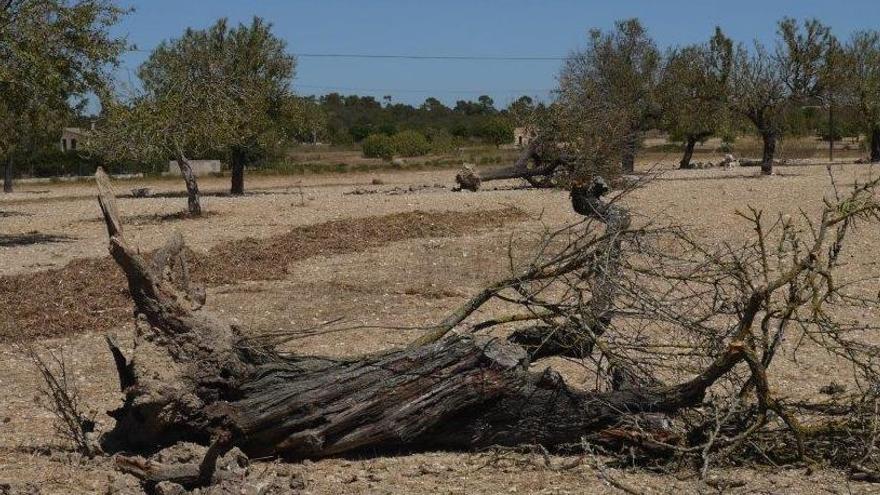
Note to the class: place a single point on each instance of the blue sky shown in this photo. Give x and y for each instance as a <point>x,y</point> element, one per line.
<point>548,28</point>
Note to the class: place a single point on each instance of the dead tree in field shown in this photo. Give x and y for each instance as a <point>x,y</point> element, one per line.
<point>661,319</point>
<point>537,165</point>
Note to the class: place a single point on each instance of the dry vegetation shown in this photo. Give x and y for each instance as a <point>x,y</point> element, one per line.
<point>385,259</point>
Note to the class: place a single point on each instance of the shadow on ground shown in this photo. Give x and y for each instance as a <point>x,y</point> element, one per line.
<point>13,240</point>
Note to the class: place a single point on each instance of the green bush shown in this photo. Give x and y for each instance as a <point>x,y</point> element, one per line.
<point>497,131</point>
<point>52,162</point>
<point>411,143</point>
<point>441,140</point>
<point>378,146</point>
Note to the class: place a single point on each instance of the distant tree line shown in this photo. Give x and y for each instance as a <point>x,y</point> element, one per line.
<point>346,119</point>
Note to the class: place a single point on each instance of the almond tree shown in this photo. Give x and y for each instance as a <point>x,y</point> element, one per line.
<point>692,91</point>
<point>765,86</point>
<point>606,92</point>
<point>53,53</point>
<point>220,89</point>
<point>862,68</point>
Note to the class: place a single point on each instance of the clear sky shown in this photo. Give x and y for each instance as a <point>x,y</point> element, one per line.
<point>518,28</point>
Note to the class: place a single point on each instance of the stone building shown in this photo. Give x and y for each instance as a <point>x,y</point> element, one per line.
<point>72,138</point>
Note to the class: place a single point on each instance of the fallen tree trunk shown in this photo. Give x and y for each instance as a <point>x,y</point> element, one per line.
<point>195,377</point>
<point>530,166</point>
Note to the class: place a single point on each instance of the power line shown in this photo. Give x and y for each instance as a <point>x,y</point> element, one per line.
<point>501,58</point>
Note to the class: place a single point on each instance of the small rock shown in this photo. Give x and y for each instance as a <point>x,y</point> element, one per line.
<point>297,482</point>
<point>141,192</point>
<point>169,488</point>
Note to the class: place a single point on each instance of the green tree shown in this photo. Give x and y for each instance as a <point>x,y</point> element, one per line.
<point>213,90</point>
<point>862,67</point>
<point>310,123</point>
<point>606,93</point>
<point>765,86</point>
<point>254,65</point>
<point>434,106</point>
<point>378,146</point>
<point>53,55</point>
<point>498,131</point>
<point>692,91</point>
<point>411,143</point>
<point>520,111</point>
<point>487,104</point>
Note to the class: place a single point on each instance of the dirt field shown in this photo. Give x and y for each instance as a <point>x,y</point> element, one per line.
<point>395,271</point>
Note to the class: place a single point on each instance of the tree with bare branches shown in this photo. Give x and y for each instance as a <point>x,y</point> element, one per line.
<point>861,70</point>
<point>765,86</point>
<point>692,92</point>
<point>682,338</point>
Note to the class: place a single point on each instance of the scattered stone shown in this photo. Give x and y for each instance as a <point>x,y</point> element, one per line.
<point>142,192</point>
<point>730,161</point>
<point>832,388</point>
<point>359,191</point>
<point>169,488</point>
<point>122,484</point>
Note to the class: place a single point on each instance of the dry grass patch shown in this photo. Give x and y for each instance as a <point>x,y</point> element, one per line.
<point>91,294</point>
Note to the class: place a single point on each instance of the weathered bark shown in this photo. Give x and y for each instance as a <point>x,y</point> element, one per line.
<point>529,166</point>
<point>194,205</point>
<point>576,338</point>
<point>238,162</point>
<point>628,158</point>
<point>769,139</point>
<point>875,145</point>
<point>688,152</point>
<point>195,377</point>
<point>7,175</point>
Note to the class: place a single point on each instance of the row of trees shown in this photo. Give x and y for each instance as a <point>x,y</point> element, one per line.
<point>622,85</point>
<point>227,89</point>
<point>222,88</point>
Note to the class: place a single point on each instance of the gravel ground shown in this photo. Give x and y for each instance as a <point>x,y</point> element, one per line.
<point>406,283</point>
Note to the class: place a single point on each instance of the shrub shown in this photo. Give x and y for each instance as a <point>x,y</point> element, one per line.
<point>497,131</point>
<point>441,140</point>
<point>411,143</point>
<point>378,146</point>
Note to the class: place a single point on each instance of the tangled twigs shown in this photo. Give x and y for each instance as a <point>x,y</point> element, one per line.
<point>682,339</point>
<point>62,399</point>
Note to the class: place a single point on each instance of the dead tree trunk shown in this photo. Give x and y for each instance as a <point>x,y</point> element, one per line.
<point>529,166</point>
<point>576,338</point>
<point>195,377</point>
<point>194,206</point>
<point>628,158</point>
